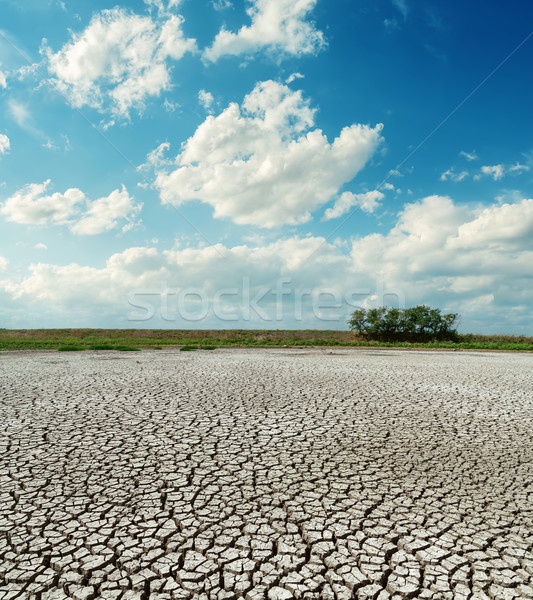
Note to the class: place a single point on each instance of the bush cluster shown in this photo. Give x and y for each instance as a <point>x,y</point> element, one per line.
<point>419,323</point>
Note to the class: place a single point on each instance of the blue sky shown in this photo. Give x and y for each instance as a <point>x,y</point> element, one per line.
<point>267,163</point>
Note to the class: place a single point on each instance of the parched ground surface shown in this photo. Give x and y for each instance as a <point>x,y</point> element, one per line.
<point>266,474</point>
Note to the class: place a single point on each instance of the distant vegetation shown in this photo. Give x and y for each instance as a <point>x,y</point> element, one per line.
<point>417,324</point>
<point>191,348</point>
<point>78,348</point>
<point>109,339</point>
<point>70,348</point>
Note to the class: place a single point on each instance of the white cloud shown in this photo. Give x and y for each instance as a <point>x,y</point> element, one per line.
<point>391,24</point>
<point>49,145</point>
<point>499,171</point>
<point>452,175</point>
<point>494,171</point>
<point>395,173</point>
<point>450,256</point>
<point>106,213</point>
<point>3,263</point>
<point>170,106</point>
<point>221,4</point>
<point>472,283</point>
<point>278,25</point>
<point>518,168</point>
<point>19,112</point>
<point>156,158</point>
<point>32,206</point>
<point>434,20</point>
<point>5,144</point>
<point>3,81</point>
<point>119,61</point>
<point>206,100</point>
<point>209,269</point>
<point>506,225</point>
<point>468,155</point>
<point>475,262</point>
<point>22,116</point>
<point>402,6</point>
<point>368,202</point>
<point>41,246</point>
<point>293,77</point>
<point>262,164</point>
<point>421,225</point>
<point>162,7</point>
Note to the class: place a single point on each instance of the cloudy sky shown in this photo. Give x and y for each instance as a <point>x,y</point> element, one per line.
<point>265,163</point>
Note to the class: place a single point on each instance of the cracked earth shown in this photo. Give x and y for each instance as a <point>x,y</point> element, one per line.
<point>266,474</point>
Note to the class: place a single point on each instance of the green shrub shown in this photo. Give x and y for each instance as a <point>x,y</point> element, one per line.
<point>70,349</point>
<point>417,324</point>
<point>126,349</point>
<point>100,347</point>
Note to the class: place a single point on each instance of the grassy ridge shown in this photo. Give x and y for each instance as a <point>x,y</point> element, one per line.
<point>85,339</point>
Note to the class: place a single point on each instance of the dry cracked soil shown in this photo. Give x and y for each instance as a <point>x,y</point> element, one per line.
<point>266,474</point>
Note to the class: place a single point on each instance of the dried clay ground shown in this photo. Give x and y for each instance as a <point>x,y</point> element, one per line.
<point>266,473</point>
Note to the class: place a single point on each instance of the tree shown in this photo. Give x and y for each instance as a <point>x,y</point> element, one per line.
<point>358,320</point>
<point>419,323</point>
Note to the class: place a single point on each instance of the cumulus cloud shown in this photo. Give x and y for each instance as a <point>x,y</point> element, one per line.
<point>470,156</point>
<point>119,61</point>
<point>494,171</point>
<point>497,172</point>
<point>449,255</point>
<point>262,163</point>
<point>140,273</point>
<point>415,233</point>
<point>5,144</point>
<point>221,4</point>
<point>452,175</point>
<point>105,214</point>
<point>367,202</point>
<point>505,225</point>
<point>473,261</point>
<point>163,7</point>
<point>206,100</point>
<point>170,106</point>
<point>468,283</point>
<point>156,159</point>
<point>3,80</point>
<point>293,76</point>
<point>3,263</point>
<point>277,25</point>
<point>31,205</point>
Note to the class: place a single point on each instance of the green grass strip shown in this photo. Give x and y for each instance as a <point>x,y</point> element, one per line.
<point>70,349</point>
